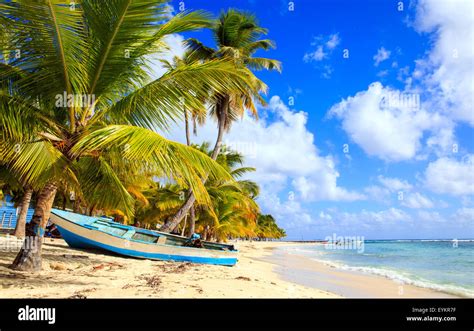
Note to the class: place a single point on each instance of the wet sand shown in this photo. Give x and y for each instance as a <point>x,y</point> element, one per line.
<point>351,284</point>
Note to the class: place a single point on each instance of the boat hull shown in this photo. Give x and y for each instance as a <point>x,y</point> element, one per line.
<point>83,236</point>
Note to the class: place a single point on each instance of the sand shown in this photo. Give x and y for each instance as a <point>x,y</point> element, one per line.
<point>73,273</point>
<point>349,284</point>
<point>82,274</point>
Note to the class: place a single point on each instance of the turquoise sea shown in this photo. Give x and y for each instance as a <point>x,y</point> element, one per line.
<point>443,265</point>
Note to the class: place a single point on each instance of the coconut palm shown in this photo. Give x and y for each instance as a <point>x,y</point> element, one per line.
<point>24,206</point>
<point>98,51</point>
<point>237,35</point>
<point>268,228</point>
<point>234,209</point>
<point>22,194</point>
<point>196,115</point>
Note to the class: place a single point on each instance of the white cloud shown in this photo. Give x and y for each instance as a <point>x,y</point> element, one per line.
<point>310,186</point>
<point>371,224</point>
<point>443,78</point>
<point>323,48</point>
<point>370,219</point>
<point>316,55</point>
<point>382,55</point>
<point>449,176</point>
<point>333,41</point>
<point>323,215</point>
<point>283,152</point>
<point>428,216</point>
<point>289,214</point>
<point>378,193</point>
<point>385,123</point>
<point>382,73</point>
<point>389,215</point>
<point>417,201</point>
<point>464,215</point>
<point>175,48</point>
<point>449,69</point>
<point>394,184</point>
<point>388,186</point>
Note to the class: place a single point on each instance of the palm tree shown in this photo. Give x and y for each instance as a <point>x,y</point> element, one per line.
<point>267,228</point>
<point>22,192</point>
<point>237,35</point>
<point>24,206</point>
<point>234,210</point>
<point>98,51</point>
<point>196,115</point>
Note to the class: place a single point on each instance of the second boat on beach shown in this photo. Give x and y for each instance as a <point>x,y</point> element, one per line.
<point>81,231</point>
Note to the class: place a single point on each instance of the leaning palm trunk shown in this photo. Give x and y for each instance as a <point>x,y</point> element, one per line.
<point>192,214</point>
<point>21,221</point>
<point>173,221</point>
<point>192,221</point>
<point>29,257</point>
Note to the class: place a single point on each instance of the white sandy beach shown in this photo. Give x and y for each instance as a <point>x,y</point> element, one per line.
<point>258,274</point>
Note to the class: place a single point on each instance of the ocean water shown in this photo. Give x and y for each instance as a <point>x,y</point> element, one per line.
<point>442,265</point>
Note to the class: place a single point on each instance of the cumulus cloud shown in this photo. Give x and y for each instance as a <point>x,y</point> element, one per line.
<point>449,176</point>
<point>448,69</point>
<point>443,77</point>
<point>289,213</point>
<point>283,151</point>
<point>417,200</point>
<point>387,123</point>
<point>382,55</point>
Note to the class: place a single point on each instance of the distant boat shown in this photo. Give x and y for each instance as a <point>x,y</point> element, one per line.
<point>81,231</point>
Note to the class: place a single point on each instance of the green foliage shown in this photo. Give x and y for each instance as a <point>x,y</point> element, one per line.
<point>99,51</point>
<point>108,152</point>
<point>234,213</point>
<point>267,228</point>
<point>237,35</point>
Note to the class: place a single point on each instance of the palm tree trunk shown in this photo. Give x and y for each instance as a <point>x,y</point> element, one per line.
<point>186,125</point>
<point>221,129</point>
<point>192,214</point>
<point>21,221</point>
<point>192,221</point>
<point>178,217</point>
<point>184,226</point>
<point>29,257</point>
<point>64,201</point>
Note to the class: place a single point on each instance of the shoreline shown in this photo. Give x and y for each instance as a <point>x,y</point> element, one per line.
<point>263,271</point>
<point>306,271</point>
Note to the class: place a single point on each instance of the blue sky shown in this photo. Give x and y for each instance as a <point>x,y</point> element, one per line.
<point>338,159</point>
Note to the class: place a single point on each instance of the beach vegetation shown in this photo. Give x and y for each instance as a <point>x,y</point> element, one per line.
<point>82,52</point>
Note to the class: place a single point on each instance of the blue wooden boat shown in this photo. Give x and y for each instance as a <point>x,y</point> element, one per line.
<point>81,231</point>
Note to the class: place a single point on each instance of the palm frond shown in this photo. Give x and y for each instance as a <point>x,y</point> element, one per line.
<point>178,162</point>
